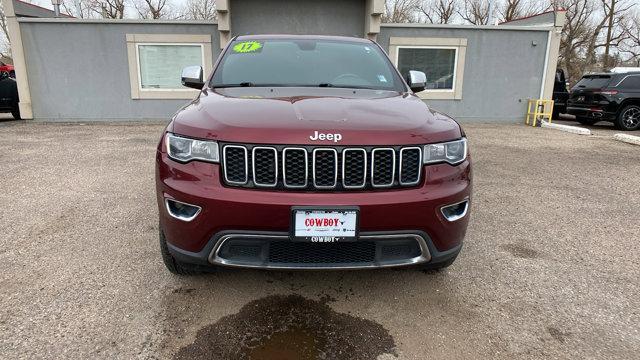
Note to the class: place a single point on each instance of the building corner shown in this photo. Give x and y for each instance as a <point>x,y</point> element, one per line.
<point>19,62</point>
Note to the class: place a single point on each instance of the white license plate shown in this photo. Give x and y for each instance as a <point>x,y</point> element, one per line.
<point>325,225</point>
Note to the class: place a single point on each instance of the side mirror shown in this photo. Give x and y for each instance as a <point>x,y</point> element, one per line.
<point>417,80</point>
<point>192,77</point>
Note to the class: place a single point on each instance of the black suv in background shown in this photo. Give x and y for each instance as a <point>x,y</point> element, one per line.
<point>611,97</point>
<point>560,94</point>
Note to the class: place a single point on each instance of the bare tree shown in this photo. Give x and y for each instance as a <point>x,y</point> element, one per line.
<point>514,9</point>
<point>110,9</point>
<point>5,43</point>
<point>200,10</point>
<point>615,17</point>
<point>576,35</point>
<point>439,11</point>
<point>82,9</point>
<point>631,45</point>
<point>154,9</point>
<point>475,12</point>
<point>401,11</point>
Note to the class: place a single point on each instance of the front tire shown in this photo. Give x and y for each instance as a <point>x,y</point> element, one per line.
<point>628,118</point>
<point>15,112</point>
<point>439,265</point>
<point>173,265</point>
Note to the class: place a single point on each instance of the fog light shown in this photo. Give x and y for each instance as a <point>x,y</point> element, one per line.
<point>455,211</point>
<point>181,211</point>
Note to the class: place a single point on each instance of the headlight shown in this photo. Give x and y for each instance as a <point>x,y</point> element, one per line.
<point>185,149</point>
<point>453,152</point>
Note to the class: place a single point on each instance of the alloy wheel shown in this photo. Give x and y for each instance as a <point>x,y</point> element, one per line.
<point>631,117</point>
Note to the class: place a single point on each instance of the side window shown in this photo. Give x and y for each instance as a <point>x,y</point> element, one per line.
<point>631,82</point>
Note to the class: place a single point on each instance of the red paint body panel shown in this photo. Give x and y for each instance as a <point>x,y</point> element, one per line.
<point>6,67</point>
<point>290,115</point>
<point>227,208</point>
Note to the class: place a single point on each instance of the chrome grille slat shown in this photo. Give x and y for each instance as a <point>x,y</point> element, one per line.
<point>338,168</point>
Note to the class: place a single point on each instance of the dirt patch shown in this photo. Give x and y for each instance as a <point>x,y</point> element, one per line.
<point>557,334</point>
<point>183,290</point>
<point>521,251</point>
<point>289,327</point>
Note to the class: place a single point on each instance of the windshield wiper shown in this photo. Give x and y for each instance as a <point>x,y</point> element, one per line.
<point>242,84</point>
<point>347,86</point>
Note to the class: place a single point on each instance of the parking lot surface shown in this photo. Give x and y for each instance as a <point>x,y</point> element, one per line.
<point>550,266</point>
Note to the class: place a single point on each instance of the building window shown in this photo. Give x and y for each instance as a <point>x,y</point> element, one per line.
<point>156,63</point>
<point>160,65</point>
<point>441,59</point>
<point>438,63</point>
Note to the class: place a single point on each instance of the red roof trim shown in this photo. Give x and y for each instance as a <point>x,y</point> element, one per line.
<point>534,15</point>
<point>43,8</point>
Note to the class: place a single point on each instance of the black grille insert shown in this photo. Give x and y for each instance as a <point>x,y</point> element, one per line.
<point>410,167</point>
<point>287,252</point>
<point>383,167</point>
<point>265,166</point>
<point>354,166</point>
<point>325,168</point>
<point>295,167</point>
<point>235,161</point>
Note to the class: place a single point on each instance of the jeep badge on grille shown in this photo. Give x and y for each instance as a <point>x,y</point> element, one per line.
<point>322,136</point>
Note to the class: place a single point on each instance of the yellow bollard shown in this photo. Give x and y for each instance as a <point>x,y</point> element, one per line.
<point>542,109</point>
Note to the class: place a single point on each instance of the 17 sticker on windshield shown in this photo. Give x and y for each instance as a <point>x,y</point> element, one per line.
<point>247,47</point>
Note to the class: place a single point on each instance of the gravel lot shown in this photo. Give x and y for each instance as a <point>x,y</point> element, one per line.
<point>550,267</point>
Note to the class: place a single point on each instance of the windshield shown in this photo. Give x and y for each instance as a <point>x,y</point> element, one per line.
<point>317,63</point>
<point>593,82</point>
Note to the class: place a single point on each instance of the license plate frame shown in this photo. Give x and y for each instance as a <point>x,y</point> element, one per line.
<point>324,210</point>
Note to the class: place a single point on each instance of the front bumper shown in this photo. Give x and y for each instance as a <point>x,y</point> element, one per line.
<point>389,249</point>
<point>410,215</point>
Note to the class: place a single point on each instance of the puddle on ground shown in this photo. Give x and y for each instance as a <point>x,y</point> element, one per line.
<point>291,344</point>
<point>289,328</point>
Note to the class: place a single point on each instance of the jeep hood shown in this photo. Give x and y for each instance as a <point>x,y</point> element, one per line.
<point>293,115</point>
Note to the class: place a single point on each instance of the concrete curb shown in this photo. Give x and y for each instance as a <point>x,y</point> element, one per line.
<point>629,139</point>
<point>567,128</point>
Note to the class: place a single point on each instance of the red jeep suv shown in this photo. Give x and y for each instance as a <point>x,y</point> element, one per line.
<point>310,152</point>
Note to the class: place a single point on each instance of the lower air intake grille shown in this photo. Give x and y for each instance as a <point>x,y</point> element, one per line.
<point>287,252</point>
